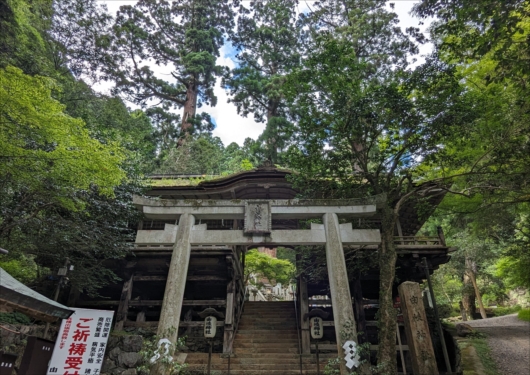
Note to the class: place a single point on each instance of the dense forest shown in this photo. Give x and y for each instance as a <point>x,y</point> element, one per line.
<point>345,104</point>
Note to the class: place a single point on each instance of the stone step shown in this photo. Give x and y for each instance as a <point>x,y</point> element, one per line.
<point>258,358</point>
<point>262,319</point>
<point>266,343</point>
<point>266,369</point>
<point>241,351</point>
<point>285,334</point>
<point>202,371</point>
<point>249,315</point>
<point>261,366</point>
<point>259,340</point>
<point>268,327</point>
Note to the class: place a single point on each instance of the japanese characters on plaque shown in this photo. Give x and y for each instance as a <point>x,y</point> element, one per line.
<point>81,343</point>
<point>257,217</point>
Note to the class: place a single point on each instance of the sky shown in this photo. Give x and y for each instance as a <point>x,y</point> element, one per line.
<point>230,126</point>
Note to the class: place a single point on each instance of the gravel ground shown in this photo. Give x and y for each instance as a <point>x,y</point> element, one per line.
<point>509,340</point>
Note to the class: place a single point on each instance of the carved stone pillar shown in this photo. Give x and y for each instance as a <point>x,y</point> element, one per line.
<point>345,327</point>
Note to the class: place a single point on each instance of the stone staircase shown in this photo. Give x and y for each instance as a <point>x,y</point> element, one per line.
<point>266,343</point>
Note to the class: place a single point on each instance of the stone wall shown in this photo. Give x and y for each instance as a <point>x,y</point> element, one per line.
<point>122,355</point>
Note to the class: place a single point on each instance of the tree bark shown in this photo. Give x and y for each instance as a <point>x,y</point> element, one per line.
<point>463,312</point>
<point>190,107</point>
<point>386,355</point>
<point>272,140</point>
<point>470,266</point>
<point>468,297</point>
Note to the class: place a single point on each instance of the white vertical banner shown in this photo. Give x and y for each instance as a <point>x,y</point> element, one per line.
<point>81,343</point>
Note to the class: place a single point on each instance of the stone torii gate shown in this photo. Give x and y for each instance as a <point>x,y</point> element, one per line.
<point>257,216</point>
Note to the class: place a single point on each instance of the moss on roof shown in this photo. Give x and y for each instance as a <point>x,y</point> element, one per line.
<point>177,181</point>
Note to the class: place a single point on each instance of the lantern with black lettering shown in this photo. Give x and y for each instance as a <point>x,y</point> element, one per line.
<point>210,326</point>
<point>317,330</point>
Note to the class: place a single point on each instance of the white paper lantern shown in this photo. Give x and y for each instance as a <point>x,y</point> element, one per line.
<point>210,326</point>
<point>317,329</point>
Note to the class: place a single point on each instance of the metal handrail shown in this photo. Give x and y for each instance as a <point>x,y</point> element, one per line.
<point>298,331</point>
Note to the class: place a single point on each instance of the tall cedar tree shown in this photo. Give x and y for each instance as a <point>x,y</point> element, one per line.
<point>267,40</point>
<point>365,123</point>
<point>183,36</point>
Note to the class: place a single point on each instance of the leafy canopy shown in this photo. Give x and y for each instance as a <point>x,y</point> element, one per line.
<point>262,265</point>
<point>44,149</point>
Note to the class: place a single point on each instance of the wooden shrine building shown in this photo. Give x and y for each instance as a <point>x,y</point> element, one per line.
<point>189,255</point>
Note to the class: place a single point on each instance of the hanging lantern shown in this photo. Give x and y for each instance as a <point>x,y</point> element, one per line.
<point>317,330</point>
<point>210,326</point>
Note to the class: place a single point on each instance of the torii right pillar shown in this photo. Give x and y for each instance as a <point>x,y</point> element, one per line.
<point>345,326</point>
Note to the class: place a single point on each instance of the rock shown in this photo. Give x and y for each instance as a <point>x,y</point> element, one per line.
<point>128,359</point>
<point>108,364</point>
<point>131,371</point>
<point>464,330</point>
<point>117,371</point>
<point>113,342</point>
<point>114,353</point>
<point>132,343</point>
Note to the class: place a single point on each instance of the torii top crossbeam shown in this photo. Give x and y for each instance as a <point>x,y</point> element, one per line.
<point>258,216</point>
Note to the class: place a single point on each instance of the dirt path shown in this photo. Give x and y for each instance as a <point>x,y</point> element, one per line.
<point>509,340</point>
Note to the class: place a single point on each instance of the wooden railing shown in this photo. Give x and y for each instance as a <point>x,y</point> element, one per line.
<point>418,241</point>
<point>235,301</point>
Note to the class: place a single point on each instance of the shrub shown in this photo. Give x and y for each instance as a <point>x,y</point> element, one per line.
<point>524,315</point>
<point>14,318</point>
<point>500,311</point>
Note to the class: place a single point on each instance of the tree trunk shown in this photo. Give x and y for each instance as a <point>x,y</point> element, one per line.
<point>386,355</point>
<point>471,274</point>
<point>468,297</point>
<point>463,312</point>
<point>272,134</point>
<point>359,309</point>
<point>190,107</point>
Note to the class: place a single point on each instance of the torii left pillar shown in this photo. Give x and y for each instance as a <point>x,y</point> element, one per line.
<point>345,326</point>
<point>176,283</point>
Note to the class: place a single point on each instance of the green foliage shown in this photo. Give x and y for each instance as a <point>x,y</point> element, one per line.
<point>332,367</point>
<point>197,155</point>
<point>21,41</point>
<point>524,315</point>
<point>469,31</point>
<point>286,253</point>
<point>14,318</point>
<point>78,36</point>
<point>45,151</point>
<point>23,268</point>
<point>514,263</point>
<point>267,39</point>
<point>501,311</point>
<point>261,265</point>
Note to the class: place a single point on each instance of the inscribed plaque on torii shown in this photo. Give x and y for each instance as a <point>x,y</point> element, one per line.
<point>257,217</point>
